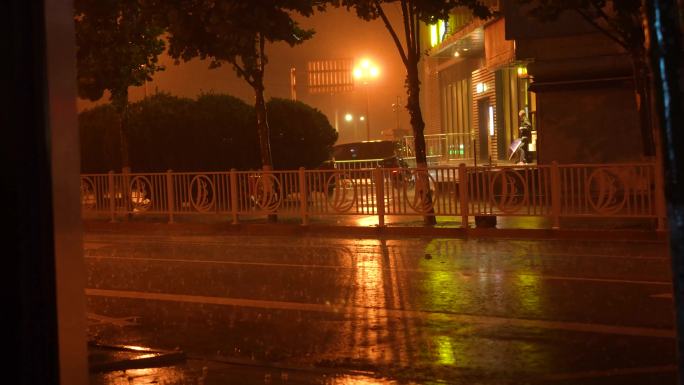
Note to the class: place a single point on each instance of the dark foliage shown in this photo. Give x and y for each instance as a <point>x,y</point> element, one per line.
<point>301,136</point>
<point>212,133</point>
<point>236,33</point>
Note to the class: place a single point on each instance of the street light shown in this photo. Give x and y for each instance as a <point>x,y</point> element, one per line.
<point>364,72</point>
<point>354,123</point>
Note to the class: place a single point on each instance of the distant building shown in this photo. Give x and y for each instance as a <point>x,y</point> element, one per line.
<point>573,82</point>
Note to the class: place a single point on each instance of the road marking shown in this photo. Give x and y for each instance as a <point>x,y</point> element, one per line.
<point>463,273</point>
<point>345,309</point>
<point>118,321</point>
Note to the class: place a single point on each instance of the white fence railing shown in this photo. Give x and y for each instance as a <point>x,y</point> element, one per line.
<point>552,191</point>
<point>442,148</point>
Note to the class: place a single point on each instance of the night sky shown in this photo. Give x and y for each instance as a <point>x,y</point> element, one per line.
<point>339,34</point>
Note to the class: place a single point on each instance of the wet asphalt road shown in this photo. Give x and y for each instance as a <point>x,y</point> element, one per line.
<point>260,309</point>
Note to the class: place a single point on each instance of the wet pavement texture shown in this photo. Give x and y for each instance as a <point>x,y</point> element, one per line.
<point>325,310</point>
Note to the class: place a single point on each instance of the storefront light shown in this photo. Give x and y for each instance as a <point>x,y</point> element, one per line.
<point>480,87</point>
<point>522,71</point>
<point>491,120</point>
<point>434,39</point>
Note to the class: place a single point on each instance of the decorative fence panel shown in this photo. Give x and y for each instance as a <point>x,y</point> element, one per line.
<point>614,190</point>
<point>510,191</point>
<point>608,190</point>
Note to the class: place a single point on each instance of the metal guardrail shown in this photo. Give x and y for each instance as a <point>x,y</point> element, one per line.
<point>443,148</point>
<point>552,191</point>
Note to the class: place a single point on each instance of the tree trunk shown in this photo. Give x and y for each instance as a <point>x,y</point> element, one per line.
<point>264,140</point>
<point>643,100</point>
<point>262,126</point>
<point>120,103</point>
<point>417,123</point>
<point>418,126</point>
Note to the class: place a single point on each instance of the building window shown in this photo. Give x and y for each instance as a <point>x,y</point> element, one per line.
<point>438,32</point>
<point>456,117</point>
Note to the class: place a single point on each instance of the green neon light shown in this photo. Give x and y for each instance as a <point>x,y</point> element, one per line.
<point>434,37</point>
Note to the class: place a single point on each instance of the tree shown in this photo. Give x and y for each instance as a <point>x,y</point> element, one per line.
<point>408,44</point>
<point>98,133</point>
<point>118,42</point>
<point>300,134</point>
<point>622,22</point>
<point>236,32</point>
<point>211,133</point>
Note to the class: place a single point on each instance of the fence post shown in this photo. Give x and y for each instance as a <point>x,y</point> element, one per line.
<point>112,199</point>
<point>169,194</point>
<point>463,194</point>
<point>126,192</point>
<point>380,196</point>
<point>234,195</point>
<point>555,195</point>
<point>303,197</point>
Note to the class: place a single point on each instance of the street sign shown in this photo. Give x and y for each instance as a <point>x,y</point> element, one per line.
<point>330,76</point>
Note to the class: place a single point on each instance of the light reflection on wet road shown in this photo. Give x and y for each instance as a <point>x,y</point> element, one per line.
<point>459,311</point>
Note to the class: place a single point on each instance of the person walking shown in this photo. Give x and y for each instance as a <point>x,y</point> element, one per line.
<point>525,132</point>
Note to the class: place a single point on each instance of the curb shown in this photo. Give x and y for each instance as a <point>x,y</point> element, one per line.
<point>284,229</point>
<point>146,358</point>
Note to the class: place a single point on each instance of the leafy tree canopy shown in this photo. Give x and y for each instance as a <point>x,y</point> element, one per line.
<point>226,30</point>
<point>301,135</point>
<point>118,42</point>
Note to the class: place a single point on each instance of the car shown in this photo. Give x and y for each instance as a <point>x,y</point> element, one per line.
<point>372,154</point>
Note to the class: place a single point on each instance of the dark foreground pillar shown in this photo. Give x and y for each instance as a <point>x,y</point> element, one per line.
<point>666,61</point>
<point>42,262</point>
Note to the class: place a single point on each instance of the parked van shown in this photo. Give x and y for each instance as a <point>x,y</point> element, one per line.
<point>371,154</point>
<point>368,154</point>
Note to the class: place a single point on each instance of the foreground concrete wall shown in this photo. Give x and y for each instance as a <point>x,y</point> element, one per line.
<point>586,106</point>
<point>594,123</point>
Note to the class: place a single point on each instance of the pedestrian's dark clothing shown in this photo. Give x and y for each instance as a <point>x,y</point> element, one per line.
<point>526,136</point>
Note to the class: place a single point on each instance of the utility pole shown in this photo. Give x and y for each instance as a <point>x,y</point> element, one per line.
<point>367,114</point>
<point>396,107</point>
<point>293,83</point>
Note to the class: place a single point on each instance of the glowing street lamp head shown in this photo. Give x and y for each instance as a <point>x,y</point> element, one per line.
<point>348,117</point>
<point>362,118</point>
<point>365,70</point>
<point>358,73</point>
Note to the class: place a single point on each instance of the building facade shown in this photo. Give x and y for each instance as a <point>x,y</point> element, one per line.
<point>572,82</point>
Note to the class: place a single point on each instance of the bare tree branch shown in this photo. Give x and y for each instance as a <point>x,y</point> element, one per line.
<point>407,28</point>
<point>242,72</point>
<point>417,37</point>
<point>392,32</point>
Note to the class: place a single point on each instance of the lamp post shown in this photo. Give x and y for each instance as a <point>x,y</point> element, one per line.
<point>364,72</point>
